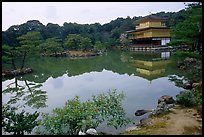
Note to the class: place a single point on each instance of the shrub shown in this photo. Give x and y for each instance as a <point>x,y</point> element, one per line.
<point>189,98</point>
<point>76,115</point>
<point>18,123</point>
<point>184,54</point>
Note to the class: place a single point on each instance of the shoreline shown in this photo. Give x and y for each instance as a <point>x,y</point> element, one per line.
<point>179,120</point>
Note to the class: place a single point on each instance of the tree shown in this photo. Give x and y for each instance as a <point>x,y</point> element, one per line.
<point>9,55</point>
<point>72,41</point>
<point>51,45</point>
<point>85,44</point>
<point>99,46</point>
<point>29,43</point>
<point>76,41</point>
<point>33,38</point>
<point>96,31</point>
<point>190,30</point>
<point>52,30</point>
<point>124,40</point>
<point>76,115</point>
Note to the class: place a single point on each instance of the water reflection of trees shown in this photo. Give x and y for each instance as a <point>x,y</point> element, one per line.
<point>46,67</point>
<point>30,92</point>
<point>118,62</point>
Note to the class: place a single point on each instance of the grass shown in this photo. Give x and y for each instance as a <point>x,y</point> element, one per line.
<point>136,132</point>
<point>157,125</point>
<point>146,130</point>
<point>192,131</point>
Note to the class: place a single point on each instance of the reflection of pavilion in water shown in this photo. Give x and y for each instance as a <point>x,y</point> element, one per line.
<point>150,65</point>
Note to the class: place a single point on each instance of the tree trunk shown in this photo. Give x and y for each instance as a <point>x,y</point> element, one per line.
<point>29,89</point>
<point>199,42</point>
<point>13,64</point>
<point>24,56</point>
<point>193,46</point>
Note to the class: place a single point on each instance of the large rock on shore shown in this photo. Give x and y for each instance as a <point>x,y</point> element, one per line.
<point>141,112</point>
<point>167,99</point>
<point>164,104</point>
<point>16,72</point>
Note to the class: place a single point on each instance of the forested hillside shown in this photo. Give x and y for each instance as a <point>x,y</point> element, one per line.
<point>108,33</point>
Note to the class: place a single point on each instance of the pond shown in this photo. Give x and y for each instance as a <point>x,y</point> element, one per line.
<point>142,76</point>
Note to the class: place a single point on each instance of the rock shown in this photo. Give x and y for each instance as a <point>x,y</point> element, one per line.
<point>132,128</point>
<point>167,99</point>
<point>161,108</point>
<point>161,105</point>
<point>187,86</point>
<point>16,72</point>
<point>196,85</point>
<point>141,112</point>
<point>144,121</point>
<point>91,131</point>
<point>179,64</point>
<point>190,60</point>
<point>170,106</point>
<point>81,133</point>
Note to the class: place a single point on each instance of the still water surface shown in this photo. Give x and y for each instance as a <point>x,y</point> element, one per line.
<point>142,76</point>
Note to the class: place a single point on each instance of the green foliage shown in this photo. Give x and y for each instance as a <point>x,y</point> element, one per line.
<point>30,42</point>
<point>85,44</point>
<point>184,54</point>
<point>18,123</point>
<point>177,42</point>
<point>76,41</point>
<point>190,30</point>
<point>29,45</point>
<point>33,38</point>
<point>99,46</point>
<point>51,45</point>
<point>173,18</point>
<point>6,54</point>
<point>190,98</point>
<point>109,32</point>
<point>76,115</point>
<point>72,41</point>
<point>10,55</point>
<point>190,65</point>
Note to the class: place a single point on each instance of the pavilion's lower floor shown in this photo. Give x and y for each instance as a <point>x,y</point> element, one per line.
<point>149,42</point>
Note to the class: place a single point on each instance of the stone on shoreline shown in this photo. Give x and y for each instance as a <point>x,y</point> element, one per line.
<point>141,112</point>
<point>164,104</point>
<point>167,99</point>
<point>91,131</point>
<point>16,72</point>
<point>132,128</point>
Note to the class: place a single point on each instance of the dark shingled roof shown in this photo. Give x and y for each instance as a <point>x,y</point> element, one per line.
<point>146,29</point>
<point>149,17</point>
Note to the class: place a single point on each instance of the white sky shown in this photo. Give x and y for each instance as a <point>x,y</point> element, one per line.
<point>16,13</point>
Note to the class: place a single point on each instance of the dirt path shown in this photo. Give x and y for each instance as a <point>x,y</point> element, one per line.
<point>181,121</point>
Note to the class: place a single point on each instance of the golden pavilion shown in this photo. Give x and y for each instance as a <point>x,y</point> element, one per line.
<point>150,31</point>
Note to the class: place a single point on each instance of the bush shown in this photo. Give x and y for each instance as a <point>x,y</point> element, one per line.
<point>184,54</point>
<point>189,98</point>
<point>18,123</point>
<point>79,116</point>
